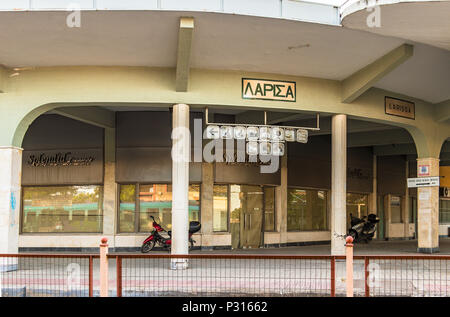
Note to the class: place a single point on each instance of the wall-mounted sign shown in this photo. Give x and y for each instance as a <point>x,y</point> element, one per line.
<point>423,182</point>
<point>269,89</point>
<point>423,170</point>
<point>399,108</point>
<point>59,159</point>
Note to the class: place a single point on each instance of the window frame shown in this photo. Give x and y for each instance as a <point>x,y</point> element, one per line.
<point>22,206</point>
<point>137,210</point>
<point>327,209</point>
<point>443,199</point>
<point>228,208</point>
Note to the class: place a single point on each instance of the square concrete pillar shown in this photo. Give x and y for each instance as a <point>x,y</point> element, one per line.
<point>10,199</point>
<point>281,193</point>
<point>110,187</point>
<point>338,183</point>
<point>180,184</point>
<point>206,205</point>
<point>428,208</point>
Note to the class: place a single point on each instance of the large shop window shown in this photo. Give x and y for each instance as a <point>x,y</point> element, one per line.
<point>307,210</point>
<point>67,209</point>
<point>154,200</point>
<point>356,206</point>
<point>444,211</point>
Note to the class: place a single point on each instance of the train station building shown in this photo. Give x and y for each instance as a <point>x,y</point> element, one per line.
<point>92,99</point>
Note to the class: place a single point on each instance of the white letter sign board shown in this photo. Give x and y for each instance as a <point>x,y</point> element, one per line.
<point>423,182</point>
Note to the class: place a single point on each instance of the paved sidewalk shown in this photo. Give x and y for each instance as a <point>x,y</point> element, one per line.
<point>396,247</point>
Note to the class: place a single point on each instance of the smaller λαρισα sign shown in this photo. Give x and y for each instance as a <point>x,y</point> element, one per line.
<point>399,108</point>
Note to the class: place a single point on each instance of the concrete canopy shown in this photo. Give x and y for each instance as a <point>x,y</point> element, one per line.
<point>220,42</point>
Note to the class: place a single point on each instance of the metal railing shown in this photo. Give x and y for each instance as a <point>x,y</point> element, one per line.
<point>223,275</point>
<point>44,275</point>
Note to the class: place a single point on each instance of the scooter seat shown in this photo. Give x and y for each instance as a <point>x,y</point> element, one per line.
<point>194,226</point>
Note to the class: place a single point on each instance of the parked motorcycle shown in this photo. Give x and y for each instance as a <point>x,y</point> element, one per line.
<point>363,229</point>
<point>156,238</point>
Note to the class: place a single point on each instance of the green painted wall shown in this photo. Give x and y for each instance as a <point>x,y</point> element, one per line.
<point>36,91</point>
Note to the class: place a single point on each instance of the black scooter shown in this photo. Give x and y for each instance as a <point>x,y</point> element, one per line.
<point>363,229</point>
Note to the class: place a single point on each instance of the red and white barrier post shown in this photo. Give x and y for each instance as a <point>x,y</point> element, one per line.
<point>349,265</point>
<point>104,268</point>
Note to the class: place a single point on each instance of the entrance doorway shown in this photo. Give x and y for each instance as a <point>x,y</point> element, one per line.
<point>246,217</point>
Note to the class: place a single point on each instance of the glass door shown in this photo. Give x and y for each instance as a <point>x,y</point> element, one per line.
<point>246,216</point>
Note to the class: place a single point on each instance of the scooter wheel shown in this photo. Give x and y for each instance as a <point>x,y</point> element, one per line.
<point>148,246</point>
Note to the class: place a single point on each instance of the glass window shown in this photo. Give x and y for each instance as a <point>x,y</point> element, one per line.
<point>307,210</point>
<point>156,200</point>
<point>444,211</point>
<point>127,208</point>
<point>74,209</point>
<point>220,208</point>
<point>356,206</point>
<point>396,209</point>
<point>269,208</point>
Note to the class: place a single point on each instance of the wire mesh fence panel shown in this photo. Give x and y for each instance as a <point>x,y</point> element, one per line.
<point>233,276</point>
<point>424,277</point>
<point>44,276</point>
<point>223,275</point>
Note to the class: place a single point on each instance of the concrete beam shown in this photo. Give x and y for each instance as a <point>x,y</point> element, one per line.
<point>442,111</point>
<point>185,36</point>
<point>358,83</point>
<point>91,115</point>
<point>386,137</point>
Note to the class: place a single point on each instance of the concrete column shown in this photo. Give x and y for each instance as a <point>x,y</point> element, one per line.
<point>180,184</point>
<point>373,196</point>
<point>406,206</point>
<point>206,205</point>
<point>10,199</point>
<point>338,183</point>
<point>281,201</point>
<point>109,186</point>
<point>428,207</point>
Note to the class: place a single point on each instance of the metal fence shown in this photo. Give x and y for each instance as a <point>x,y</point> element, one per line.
<point>223,275</point>
<point>416,276</point>
<point>42,275</point>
